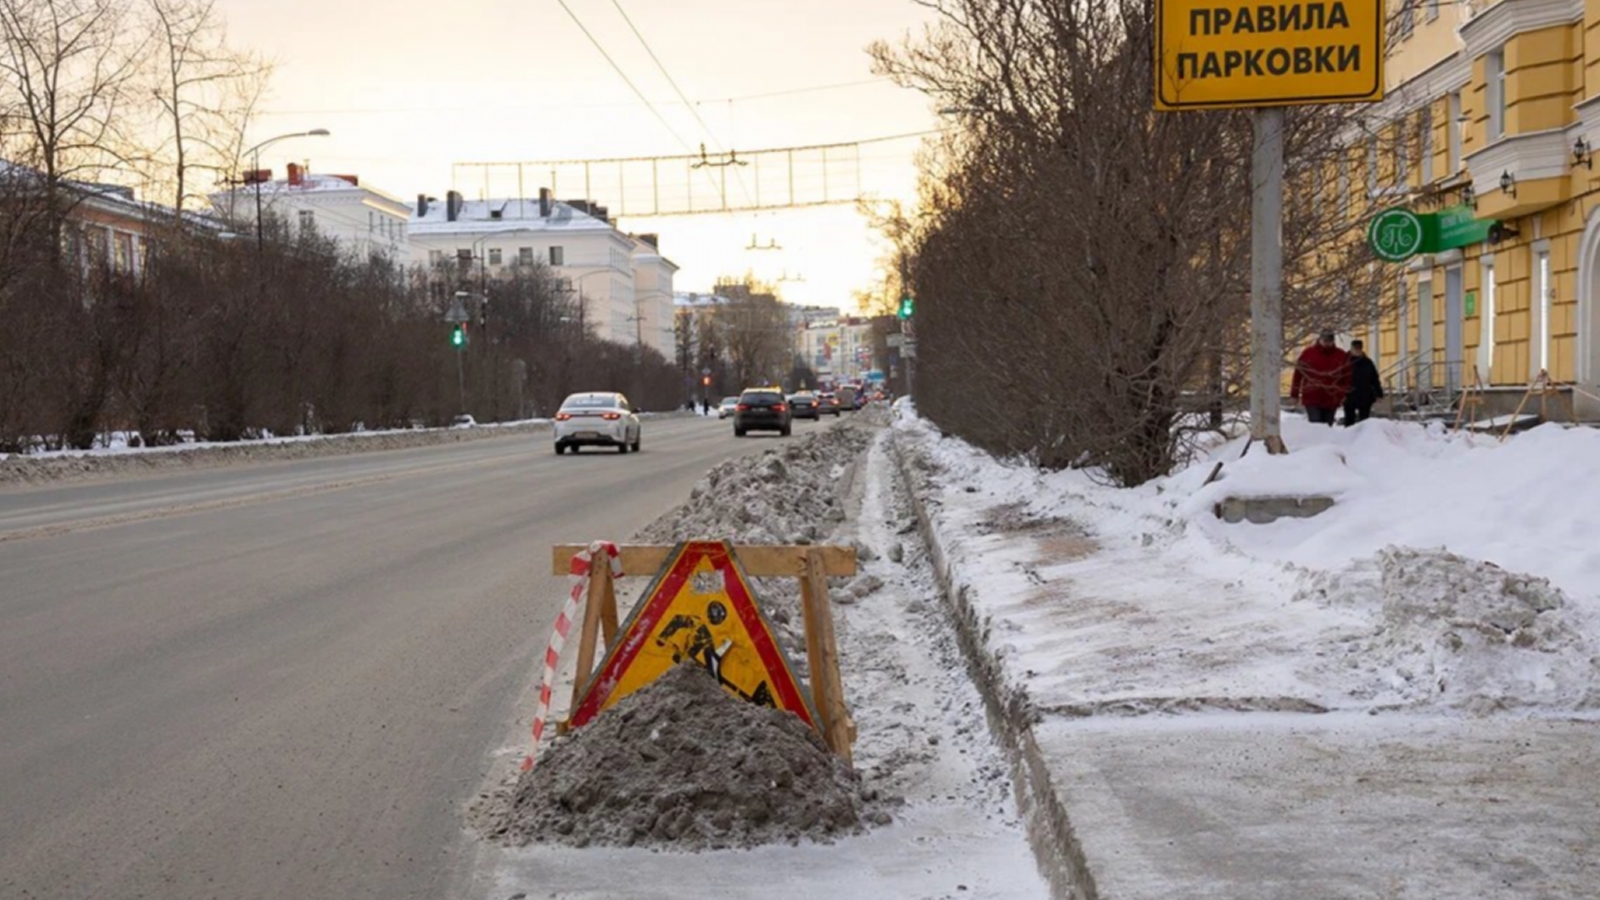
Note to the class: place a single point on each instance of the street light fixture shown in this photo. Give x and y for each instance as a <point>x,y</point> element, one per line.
<point>255,154</point>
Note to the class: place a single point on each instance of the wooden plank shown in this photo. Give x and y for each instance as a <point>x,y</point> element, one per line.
<point>593,610</point>
<point>821,698</point>
<point>840,730</point>
<point>758,561</point>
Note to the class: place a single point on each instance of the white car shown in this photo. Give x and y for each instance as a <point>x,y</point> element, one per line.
<point>600,419</point>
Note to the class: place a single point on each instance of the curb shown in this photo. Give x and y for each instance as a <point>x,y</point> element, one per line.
<point>1010,716</point>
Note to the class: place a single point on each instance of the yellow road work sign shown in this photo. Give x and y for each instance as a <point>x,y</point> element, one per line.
<point>1214,54</point>
<point>699,609</point>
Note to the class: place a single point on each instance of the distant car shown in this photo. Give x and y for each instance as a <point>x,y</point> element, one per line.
<point>847,396</point>
<point>599,419</point>
<point>762,409</point>
<point>725,409</point>
<point>827,402</point>
<point>803,405</point>
<point>463,421</point>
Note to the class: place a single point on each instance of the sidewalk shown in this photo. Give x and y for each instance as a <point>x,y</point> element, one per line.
<point>1197,718</point>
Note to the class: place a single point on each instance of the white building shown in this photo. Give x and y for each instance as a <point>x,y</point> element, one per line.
<point>367,220</point>
<point>622,283</point>
<point>839,350</point>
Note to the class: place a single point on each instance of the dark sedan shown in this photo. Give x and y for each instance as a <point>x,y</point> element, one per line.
<point>761,410</point>
<point>804,405</point>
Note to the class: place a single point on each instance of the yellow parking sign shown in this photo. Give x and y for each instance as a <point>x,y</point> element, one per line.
<point>1215,54</point>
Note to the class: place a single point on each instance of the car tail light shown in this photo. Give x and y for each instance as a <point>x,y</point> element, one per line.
<point>778,407</point>
<point>562,417</point>
<point>611,416</point>
<point>742,407</point>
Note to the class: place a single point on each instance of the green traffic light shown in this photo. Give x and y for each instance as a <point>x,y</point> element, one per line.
<point>457,336</point>
<point>905,307</point>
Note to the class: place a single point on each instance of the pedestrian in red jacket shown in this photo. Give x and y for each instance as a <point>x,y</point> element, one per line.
<point>1321,379</point>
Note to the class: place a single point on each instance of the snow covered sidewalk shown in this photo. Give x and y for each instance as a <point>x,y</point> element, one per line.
<point>1395,698</point>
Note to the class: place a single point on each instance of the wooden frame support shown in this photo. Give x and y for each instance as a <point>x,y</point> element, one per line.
<point>813,565</point>
<point>822,658</point>
<point>757,561</point>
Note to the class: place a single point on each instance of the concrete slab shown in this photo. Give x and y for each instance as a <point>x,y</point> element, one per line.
<point>1261,510</point>
<point>1272,806</point>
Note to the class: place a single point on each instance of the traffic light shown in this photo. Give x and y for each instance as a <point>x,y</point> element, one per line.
<point>458,336</point>
<point>706,380</point>
<point>905,307</point>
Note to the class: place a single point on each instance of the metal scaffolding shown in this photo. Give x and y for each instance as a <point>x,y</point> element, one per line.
<point>731,182</point>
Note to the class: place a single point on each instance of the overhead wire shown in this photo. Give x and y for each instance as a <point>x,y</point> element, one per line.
<point>738,175</point>
<point>624,76</point>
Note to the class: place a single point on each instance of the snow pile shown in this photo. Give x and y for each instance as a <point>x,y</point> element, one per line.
<point>1459,633</point>
<point>1530,503</point>
<point>1454,572</point>
<point>683,764</point>
<point>790,495</point>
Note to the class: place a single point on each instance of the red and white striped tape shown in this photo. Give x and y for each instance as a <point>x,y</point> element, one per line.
<point>579,574</point>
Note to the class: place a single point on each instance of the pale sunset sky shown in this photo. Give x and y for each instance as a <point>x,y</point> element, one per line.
<point>410,87</point>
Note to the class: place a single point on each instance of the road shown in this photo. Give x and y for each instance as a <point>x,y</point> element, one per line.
<point>285,680</point>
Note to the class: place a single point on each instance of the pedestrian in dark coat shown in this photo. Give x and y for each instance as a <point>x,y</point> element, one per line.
<point>1321,379</point>
<point>1366,388</point>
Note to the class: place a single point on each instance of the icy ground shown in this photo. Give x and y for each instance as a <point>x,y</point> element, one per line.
<point>1393,699</point>
<point>922,733</point>
<point>1453,572</point>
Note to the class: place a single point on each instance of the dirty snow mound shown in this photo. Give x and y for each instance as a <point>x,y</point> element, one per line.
<point>791,495</point>
<point>1459,633</point>
<point>682,764</point>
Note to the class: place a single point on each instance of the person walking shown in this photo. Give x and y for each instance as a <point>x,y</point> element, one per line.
<point>1321,380</point>
<point>1366,388</point>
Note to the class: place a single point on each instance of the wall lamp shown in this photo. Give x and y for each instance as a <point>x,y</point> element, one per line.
<point>1468,197</point>
<point>1508,184</point>
<point>1582,153</point>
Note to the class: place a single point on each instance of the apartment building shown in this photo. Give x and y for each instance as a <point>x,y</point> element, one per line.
<point>339,206</point>
<point>621,283</point>
<point>1496,107</point>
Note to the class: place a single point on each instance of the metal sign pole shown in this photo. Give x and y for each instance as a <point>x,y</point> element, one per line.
<point>1266,279</point>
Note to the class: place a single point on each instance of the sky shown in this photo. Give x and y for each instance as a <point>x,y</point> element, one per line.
<point>409,88</point>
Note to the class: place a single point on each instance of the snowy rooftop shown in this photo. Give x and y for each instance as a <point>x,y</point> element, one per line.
<point>513,215</point>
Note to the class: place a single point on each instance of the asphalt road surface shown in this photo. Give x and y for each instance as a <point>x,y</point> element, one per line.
<point>285,680</point>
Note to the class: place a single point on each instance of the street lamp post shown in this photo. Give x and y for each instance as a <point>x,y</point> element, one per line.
<point>255,155</point>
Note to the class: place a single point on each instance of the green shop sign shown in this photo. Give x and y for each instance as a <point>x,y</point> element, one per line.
<point>1396,235</point>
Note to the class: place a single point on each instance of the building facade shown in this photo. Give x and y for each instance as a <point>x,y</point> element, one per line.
<point>368,221</point>
<point>621,283</point>
<point>1492,114</point>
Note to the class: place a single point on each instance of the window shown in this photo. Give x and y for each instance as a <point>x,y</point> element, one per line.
<point>1486,323</point>
<point>494,256</point>
<point>1402,165</point>
<point>1372,167</point>
<point>1426,139</point>
<point>124,249</point>
<point>308,220</point>
<point>1452,163</point>
<point>558,257</point>
<point>1495,79</point>
<point>372,221</point>
<point>435,257</point>
<point>1545,297</point>
<point>1432,10</point>
<point>525,255</point>
<point>1405,19</point>
<point>1403,334</point>
<point>1344,184</point>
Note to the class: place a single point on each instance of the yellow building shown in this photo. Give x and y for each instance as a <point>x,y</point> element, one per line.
<point>1503,100</point>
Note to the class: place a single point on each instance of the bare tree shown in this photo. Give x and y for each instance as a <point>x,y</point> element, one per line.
<point>65,71</point>
<point>205,91</point>
<point>1080,262</point>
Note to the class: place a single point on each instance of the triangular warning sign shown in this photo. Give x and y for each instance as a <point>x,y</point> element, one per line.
<point>700,609</point>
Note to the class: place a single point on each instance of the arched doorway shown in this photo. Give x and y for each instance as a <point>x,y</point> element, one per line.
<point>1587,347</point>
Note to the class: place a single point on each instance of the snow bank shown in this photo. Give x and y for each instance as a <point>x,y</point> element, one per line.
<point>1454,572</point>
